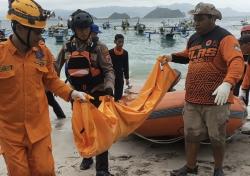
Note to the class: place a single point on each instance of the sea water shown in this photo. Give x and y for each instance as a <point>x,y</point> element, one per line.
<point>142,50</point>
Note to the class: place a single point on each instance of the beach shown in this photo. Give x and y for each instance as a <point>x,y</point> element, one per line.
<point>133,156</point>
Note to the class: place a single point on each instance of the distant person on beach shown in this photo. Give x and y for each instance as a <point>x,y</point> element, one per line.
<point>120,63</point>
<point>245,86</point>
<point>26,71</point>
<point>215,66</point>
<point>88,68</point>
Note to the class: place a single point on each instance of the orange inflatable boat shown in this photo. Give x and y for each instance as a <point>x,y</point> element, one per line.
<point>166,120</point>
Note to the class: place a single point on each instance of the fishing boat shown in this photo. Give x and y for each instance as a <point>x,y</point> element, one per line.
<point>60,34</point>
<point>106,25</point>
<point>244,22</point>
<point>139,27</point>
<point>168,32</point>
<point>125,24</point>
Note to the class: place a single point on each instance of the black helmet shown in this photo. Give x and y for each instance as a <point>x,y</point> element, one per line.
<point>80,19</point>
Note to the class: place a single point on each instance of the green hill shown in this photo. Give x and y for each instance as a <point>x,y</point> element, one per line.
<point>165,13</point>
<point>119,16</point>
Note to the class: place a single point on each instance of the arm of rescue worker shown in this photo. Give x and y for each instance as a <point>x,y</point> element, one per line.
<point>106,65</point>
<point>246,80</point>
<point>60,60</point>
<point>126,68</point>
<point>232,55</point>
<point>55,67</point>
<point>180,57</point>
<point>53,83</point>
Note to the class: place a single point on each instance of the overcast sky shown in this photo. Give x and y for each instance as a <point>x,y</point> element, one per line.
<point>239,5</point>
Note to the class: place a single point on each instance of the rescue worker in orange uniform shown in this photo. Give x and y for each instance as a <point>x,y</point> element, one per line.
<point>245,86</point>
<point>26,71</point>
<point>88,68</point>
<point>215,66</point>
<point>245,31</point>
<point>244,44</point>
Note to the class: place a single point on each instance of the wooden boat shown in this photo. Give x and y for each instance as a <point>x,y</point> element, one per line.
<point>167,121</point>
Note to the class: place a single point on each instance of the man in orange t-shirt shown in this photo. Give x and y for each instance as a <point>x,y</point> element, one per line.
<point>215,66</point>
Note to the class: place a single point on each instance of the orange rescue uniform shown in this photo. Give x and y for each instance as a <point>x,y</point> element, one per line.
<point>246,81</point>
<point>24,117</point>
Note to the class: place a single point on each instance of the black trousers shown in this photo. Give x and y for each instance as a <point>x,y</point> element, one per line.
<point>54,104</point>
<point>119,83</point>
<point>102,163</point>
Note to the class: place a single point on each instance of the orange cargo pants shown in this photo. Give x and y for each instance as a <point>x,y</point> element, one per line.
<point>26,159</point>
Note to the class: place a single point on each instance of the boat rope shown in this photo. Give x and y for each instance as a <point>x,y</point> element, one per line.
<point>173,140</point>
<point>227,139</point>
<point>161,141</point>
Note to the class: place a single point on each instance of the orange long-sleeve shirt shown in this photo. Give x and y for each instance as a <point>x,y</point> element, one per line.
<point>23,103</point>
<point>246,80</point>
<point>213,58</point>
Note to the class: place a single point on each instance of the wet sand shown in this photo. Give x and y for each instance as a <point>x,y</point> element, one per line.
<point>133,156</point>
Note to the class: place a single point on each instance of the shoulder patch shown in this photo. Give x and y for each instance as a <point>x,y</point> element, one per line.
<point>6,68</point>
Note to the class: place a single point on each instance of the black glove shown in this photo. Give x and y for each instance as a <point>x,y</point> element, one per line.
<point>109,91</point>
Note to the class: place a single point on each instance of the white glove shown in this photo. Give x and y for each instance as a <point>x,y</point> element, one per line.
<point>243,94</point>
<point>222,93</point>
<point>76,95</point>
<point>167,58</point>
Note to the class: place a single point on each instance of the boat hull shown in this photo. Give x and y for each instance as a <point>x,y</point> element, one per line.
<point>167,120</point>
